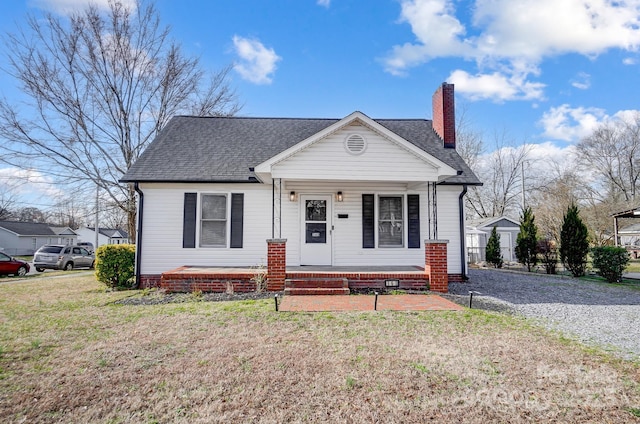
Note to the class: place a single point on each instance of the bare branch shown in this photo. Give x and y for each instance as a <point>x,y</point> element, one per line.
<point>100,88</point>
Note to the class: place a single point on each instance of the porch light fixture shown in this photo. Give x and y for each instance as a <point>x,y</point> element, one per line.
<point>339,197</point>
<point>292,196</point>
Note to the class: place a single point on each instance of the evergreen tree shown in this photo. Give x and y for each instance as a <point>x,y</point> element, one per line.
<point>574,242</point>
<point>494,256</point>
<point>527,241</point>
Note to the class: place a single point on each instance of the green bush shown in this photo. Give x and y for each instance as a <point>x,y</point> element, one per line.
<point>610,262</point>
<point>574,242</point>
<point>527,240</point>
<point>115,265</point>
<point>493,254</point>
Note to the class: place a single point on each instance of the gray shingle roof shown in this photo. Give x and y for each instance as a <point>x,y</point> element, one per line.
<point>27,228</point>
<point>223,149</point>
<point>110,232</point>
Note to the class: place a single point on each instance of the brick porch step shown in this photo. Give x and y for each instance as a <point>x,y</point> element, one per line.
<point>316,286</point>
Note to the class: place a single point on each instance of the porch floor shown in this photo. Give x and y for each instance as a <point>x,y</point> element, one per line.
<point>209,270</point>
<point>339,303</point>
<point>355,269</point>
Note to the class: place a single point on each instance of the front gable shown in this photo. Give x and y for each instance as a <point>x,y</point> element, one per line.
<point>355,148</point>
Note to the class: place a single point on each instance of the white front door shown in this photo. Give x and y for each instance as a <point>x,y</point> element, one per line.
<point>316,230</point>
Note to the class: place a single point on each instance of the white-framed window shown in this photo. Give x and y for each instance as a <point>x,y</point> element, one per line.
<point>391,227</point>
<point>213,220</point>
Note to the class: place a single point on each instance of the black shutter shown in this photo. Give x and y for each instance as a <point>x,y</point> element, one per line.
<point>368,221</point>
<point>237,219</point>
<point>413,209</point>
<point>189,220</point>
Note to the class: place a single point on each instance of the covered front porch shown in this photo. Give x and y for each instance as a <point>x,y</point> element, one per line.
<point>276,276</point>
<point>319,279</point>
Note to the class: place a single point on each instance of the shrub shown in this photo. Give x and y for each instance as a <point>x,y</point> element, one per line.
<point>574,242</point>
<point>493,254</point>
<point>527,240</point>
<point>549,255</point>
<point>115,265</point>
<point>610,262</point>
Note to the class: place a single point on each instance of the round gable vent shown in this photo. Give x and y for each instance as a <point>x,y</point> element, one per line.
<point>355,144</point>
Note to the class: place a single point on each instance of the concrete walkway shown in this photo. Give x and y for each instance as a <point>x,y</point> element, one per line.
<point>403,302</point>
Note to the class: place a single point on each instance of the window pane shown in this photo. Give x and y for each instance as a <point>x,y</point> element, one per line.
<point>316,210</point>
<point>214,233</point>
<point>390,234</point>
<point>390,222</point>
<point>391,208</point>
<point>316,232</point>
<point>214,206</point>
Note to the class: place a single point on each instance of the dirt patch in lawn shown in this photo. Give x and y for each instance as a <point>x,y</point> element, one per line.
<point>70,353</point>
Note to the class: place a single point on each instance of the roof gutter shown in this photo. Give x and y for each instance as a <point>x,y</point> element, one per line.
<point>463,239</point>
<point>139,235</point>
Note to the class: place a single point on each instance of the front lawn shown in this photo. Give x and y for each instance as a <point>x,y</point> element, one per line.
<point>70,353</point>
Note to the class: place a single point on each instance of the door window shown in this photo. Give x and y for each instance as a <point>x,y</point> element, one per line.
<point>316,221</point>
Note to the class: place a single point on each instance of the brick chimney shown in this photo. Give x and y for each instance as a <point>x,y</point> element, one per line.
<point>444,115</point>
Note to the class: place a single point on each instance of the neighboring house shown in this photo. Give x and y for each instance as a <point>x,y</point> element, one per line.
<point>105,236</point>
<point>629,236</point>
<point>24,238</point>
<point>355,193</point>
<point>478,232</point>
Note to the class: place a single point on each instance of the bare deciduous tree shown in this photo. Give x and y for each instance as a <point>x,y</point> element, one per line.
<point>100,86</point>
<point>501,173</point>
<point>550,202</point>
<point>613,153</point>
<point>7,203</point>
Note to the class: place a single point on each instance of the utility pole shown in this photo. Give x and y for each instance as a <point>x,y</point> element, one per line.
<point>95,228</point>
<point>524,204</point>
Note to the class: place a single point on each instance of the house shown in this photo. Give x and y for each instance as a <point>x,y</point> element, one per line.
<point>337,197</point>
<point>478,232</point>
<point>105,236</point>
<point>24,238</point>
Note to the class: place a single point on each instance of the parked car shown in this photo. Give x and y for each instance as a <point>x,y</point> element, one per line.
<point>52,256</point>
<point>9,266</point>
<point>87,245</point>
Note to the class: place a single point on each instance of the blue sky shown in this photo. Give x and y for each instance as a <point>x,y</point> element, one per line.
<point>542,71</point>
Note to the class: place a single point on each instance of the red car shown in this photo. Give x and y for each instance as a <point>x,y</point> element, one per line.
<point>9,265</point>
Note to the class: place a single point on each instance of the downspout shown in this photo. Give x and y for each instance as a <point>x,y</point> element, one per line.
<point>139,235</point>
<point>463,239</point>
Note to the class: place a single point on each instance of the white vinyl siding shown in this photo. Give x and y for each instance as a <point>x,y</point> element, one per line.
<point>382,160</point>
<point>163,215</point>
<point>162,228</point>
<point>449,225</point>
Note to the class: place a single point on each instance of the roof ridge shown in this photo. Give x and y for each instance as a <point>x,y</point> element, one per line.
<point>293,118</point>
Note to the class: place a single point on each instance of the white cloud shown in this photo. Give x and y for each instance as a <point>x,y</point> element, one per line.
<point>257,63</point>
<point>28,182</point>
<point>65,7</point>
<point>629,61</point>
<point>582,81</point>
<point>503,34</point>
<point>438,32</point>
<point>496,86</point>
<point>325,3</point>
<point>571,124</point>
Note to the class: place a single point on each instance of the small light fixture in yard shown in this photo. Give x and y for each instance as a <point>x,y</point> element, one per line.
<point>471,292</point>
<point>375,302</point>
<point>275,297</point>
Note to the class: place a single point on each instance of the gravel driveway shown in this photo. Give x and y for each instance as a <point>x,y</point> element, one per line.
<point>594,313</point>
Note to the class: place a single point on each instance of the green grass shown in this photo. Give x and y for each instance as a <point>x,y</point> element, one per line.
<point>69,352</point>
